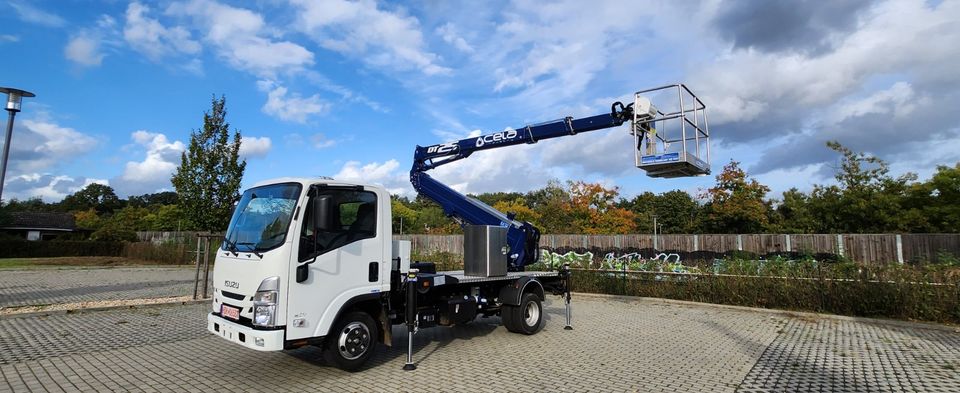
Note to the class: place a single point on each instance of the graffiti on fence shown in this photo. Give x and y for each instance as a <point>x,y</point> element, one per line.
<point>554,260</point>
<point>660,262</point>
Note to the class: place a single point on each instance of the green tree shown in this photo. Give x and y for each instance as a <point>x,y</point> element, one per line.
<point>88,219</point>
<point>551,203</point>
<point>155,199</point>
<point>403,215</point>
<point>736,204</point>
<point>208,178</point>
<point>866,199</point>
<point>34,204</point>
<point>794,213</point>
<point>97,196</point>
<point>938,199</point>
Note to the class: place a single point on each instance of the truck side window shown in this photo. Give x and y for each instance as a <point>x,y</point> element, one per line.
<point>352,215</point>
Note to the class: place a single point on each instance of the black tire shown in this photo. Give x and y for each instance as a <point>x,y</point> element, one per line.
<point>506,317</point>
<point>527,318</point>
<point>352,340</point>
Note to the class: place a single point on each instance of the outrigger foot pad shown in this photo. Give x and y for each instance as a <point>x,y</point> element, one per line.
<point>568,327</point>
<point>409,367</point>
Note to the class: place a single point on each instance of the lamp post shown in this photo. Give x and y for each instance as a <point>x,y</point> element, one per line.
<point>14,98</point>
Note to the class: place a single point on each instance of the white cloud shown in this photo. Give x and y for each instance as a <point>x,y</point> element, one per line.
<point>153,173</point>
<point>251,146</point>
<point>9,38</point>
<point>241,37</point>
<point>293,107</point>
<point>360,29</point>
<point>321,141</point>
<point>40,144</point>
<point>758,80</point>
<point>384,174</point>
<point>84,49</point>
<point>899,100</point>
<point>50,188</point>
<point>450,35</point>
<point>32,14</point>
<point>146,35</point>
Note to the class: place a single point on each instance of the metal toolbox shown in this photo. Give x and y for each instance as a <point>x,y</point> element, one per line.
<point>485,250</point>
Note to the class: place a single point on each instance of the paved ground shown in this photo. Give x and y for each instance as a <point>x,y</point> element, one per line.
<point>51,286</point>
<point>618,345</point>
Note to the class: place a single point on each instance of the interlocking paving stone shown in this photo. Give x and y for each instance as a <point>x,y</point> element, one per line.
<point>830,354</point>
<point>52,286</point>
<point>618,345</point>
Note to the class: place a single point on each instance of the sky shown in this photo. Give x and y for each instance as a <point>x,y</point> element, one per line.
<point>347,89</point>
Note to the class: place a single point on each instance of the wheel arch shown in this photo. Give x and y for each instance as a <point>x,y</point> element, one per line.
<point>510,295</point>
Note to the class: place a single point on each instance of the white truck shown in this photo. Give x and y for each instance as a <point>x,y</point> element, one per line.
<point>313,261</point>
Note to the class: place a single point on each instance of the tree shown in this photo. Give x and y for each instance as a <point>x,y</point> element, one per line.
<point>95,196</point>
<point>866,199</point>
<point>403,215</point>
<point>794,213</point>
<point>518,206</point>
<point>736,204</point>
<point>34,204</point>
<point>551,203</point>
<point>88,219</point>
<point>938,199</point>
<point>592,209</point>
<point>208,178</point>
<point>155,199</point>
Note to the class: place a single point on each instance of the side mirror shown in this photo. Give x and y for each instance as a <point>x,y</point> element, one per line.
<point>303,272</point>
<point>321,208</point>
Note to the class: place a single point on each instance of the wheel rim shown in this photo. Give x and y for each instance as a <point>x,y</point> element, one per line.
<point>531,314</point>
<point>354,340</point>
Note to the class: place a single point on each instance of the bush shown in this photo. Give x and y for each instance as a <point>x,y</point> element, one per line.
<point>114,233</point>
<point>929,293</point>
<point>70,248</point>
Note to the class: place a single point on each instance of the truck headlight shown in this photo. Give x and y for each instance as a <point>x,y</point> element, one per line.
<point>264,315</point>
<point>265,302</point>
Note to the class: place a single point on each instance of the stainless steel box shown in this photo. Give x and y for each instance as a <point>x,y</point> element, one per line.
<point>485,250</point>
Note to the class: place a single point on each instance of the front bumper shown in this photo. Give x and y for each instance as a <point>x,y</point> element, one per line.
<point>272,340</point>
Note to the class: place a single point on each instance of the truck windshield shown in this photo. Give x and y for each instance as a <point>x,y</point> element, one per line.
<point>262,217</point>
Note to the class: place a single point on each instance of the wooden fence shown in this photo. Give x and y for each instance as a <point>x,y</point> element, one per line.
<point>867,248</point>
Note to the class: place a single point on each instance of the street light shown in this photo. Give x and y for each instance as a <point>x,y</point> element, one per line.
<point>14,98</point>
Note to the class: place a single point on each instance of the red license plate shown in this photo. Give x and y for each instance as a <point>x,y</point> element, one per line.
<point>229,312</point>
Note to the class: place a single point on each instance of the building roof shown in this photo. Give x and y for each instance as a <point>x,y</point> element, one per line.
<point>41,220</point>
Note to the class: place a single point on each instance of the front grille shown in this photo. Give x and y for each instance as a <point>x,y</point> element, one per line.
<point>234,296</point>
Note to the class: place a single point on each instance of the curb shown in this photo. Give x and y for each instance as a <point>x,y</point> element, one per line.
<point>81,310</point>
<point>778,312</point>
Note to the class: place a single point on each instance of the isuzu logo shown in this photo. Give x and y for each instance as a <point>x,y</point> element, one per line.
<point>498,137</point>
<point>231,284</point>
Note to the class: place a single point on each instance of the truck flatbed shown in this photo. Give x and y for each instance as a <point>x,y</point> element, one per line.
<point>458,276</point>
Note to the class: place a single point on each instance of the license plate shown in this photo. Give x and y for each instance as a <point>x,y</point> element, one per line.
<point>229,312</point>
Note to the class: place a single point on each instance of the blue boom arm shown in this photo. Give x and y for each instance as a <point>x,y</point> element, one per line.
<point>522,237</point>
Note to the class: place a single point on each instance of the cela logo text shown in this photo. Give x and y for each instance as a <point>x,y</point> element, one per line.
<point>498,137</point>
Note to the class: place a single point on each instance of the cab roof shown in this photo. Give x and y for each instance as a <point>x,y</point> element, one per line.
<point>315,180</point>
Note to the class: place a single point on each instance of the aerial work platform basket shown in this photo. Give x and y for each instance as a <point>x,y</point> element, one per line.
<point>672,140</point>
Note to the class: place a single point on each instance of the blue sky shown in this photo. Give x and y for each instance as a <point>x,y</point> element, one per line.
<point>347,89</point>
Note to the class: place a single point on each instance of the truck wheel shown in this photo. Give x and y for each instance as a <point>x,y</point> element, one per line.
<point>351,341</point>
<point>527,318</point>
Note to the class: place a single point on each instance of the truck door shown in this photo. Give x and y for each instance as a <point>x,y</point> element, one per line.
<point>340,241</point>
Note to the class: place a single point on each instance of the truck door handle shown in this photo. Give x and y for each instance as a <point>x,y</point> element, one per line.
<point>374,273</point>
